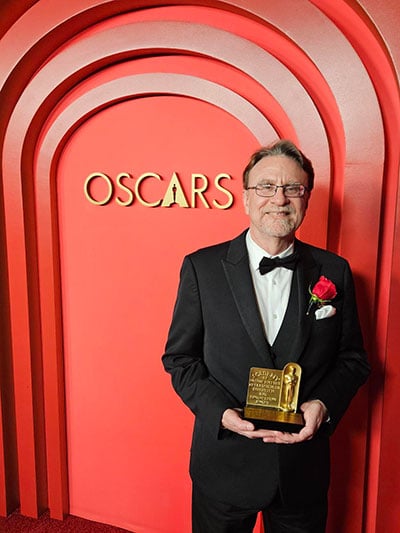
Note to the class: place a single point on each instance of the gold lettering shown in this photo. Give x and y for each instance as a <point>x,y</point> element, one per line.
<point>129,201</point>
<point>93,176</point>
<point>174,194</point>
<point>198,191</point>
<point>138,194</point>
<point>229,202</point>
<point>125,190</point>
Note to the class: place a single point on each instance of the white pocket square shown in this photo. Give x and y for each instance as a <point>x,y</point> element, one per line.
<point>325,312</point>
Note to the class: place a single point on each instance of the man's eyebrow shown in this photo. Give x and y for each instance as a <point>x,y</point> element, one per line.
<point>271,181</point>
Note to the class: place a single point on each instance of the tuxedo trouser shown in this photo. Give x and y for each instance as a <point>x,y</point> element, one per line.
<point>210,516</point>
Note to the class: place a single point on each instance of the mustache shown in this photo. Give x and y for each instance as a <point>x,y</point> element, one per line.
<point>286,211</point>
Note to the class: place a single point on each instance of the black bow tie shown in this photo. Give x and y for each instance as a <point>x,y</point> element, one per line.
<point>269,263</point>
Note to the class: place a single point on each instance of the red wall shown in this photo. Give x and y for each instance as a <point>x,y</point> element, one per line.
<point>123,100</point>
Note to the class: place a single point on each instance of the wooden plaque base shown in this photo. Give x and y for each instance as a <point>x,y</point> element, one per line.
<point>266,418</point>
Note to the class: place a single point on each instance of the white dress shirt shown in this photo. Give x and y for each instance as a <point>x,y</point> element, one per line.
<point>272,289</point>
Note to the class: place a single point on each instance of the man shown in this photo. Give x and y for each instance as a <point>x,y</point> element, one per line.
<point>229,316</point>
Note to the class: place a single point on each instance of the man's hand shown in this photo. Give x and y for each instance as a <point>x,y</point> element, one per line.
<point>232,420</point>
<point>314,413</point>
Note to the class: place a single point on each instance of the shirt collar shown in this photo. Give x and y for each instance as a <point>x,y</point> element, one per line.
<point>256,253</point>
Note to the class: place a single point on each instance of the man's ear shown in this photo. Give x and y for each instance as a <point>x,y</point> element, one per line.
<point>308,198</point>
<point>245,201</point>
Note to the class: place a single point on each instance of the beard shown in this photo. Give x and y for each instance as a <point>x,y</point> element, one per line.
<point>279,226</point>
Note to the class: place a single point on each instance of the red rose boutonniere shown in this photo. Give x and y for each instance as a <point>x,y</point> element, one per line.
<point>323,291</point>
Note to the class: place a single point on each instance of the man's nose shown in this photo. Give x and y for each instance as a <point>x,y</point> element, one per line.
<point>279,198</point>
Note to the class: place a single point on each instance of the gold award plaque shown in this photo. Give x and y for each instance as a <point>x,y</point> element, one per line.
<point>272,397</point>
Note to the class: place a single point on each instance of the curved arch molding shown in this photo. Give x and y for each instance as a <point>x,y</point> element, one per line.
<point>322,73</point>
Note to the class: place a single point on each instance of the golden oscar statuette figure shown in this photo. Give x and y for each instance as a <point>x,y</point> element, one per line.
<point>272,397</point>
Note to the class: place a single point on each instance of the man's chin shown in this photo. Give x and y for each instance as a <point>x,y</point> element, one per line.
<point>280,230</point>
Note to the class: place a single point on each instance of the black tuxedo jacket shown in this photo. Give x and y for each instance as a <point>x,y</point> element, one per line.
<point>217,335</point>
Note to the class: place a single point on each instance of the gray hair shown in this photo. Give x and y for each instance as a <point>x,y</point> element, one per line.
<point>282,148</point>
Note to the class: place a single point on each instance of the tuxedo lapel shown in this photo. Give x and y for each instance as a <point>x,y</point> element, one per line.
<point>296,326</point>
<point>237,271</point>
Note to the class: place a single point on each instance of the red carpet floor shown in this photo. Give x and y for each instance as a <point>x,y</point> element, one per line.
<point>15,523</point>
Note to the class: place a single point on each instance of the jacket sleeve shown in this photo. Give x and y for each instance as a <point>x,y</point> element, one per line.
<point>184,356</point>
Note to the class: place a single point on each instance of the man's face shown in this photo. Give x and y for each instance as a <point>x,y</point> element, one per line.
<point>275,217</point>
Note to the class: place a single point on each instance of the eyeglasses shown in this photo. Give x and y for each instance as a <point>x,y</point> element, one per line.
<point>290,191</point>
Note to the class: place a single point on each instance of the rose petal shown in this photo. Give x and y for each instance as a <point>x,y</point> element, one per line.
<point>324,289</point>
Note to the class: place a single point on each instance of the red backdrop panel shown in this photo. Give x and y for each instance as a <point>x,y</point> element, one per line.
<point>128,434</point>
<point>119,277</point>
